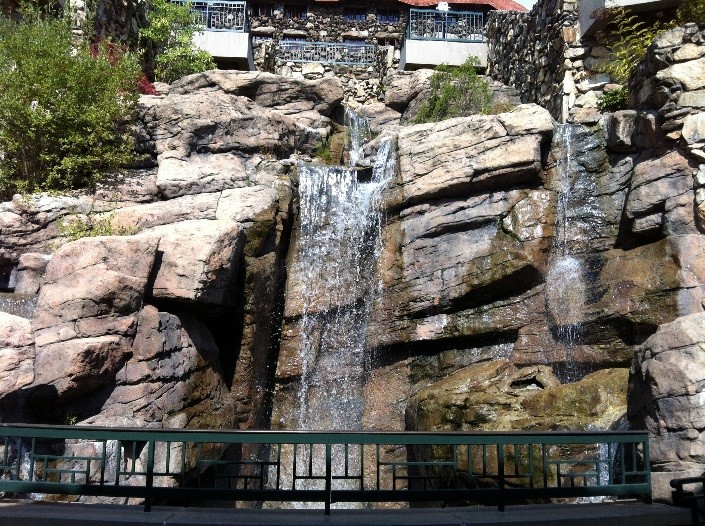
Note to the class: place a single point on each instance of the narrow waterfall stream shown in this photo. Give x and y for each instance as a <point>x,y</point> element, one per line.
<point>578,215</point>
<point>18,304</point>
<point>359,135</point>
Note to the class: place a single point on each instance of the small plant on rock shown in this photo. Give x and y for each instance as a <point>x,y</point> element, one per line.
<point>455,92</point>
<point>614,100</point>
<point>324,152</point>
<point>632,36</point>
<point>91,224</point>
<point>690,11</point>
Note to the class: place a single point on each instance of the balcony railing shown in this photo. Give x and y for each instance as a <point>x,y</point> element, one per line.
<point>454,26</point>
<point>219,15</point>
<point>327,52</point>
<point>189,465</point>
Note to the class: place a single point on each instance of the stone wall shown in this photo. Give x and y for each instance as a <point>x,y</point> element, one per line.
<point>539,53</point>
<point>671,79</point>
<point>118,20</point>
<point>361,84</point>
<point>326,24</point>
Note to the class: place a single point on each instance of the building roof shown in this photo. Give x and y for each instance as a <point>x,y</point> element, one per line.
<point>500,5</point>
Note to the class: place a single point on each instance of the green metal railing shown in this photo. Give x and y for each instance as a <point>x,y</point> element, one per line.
<point>323,467</point>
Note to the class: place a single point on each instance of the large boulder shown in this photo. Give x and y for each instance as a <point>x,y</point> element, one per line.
<point>268,90</point>
<point>203,140</point>
<point>498,396</point>
<point>661,195</point>
<point>404,87</point>
<point>665,397</point>
<point>198,261</point>
<point>469,154</point>
<point>86,314</point>
<point>173,377</point>
<point>464,238</point>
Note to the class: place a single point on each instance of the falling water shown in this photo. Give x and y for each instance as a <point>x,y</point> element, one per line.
<point>338,247</point>
<point>359,128</point>
<point>565,282</point>
<point>18,304</point>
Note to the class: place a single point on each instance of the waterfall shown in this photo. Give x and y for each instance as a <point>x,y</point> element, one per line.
<point>335,281</point>
<point>359,132</point>
<point>578,215</point>
<point>338,246</point>
<point>18,304</point>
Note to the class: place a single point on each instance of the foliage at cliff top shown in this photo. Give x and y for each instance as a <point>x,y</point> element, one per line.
<point>170,34</point>
<point>65,106</point>
<point>690,11</point>
<point>455,92</point>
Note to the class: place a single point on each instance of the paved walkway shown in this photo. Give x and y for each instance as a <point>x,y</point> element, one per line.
<point>24,513</point>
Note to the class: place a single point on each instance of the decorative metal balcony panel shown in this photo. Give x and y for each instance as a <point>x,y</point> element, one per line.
<point>453,26</point>
<point>219,15</point>
<point>326,52</point>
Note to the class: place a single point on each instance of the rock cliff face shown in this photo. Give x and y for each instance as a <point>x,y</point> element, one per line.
<point>175,324</point>
<point>521,265</point>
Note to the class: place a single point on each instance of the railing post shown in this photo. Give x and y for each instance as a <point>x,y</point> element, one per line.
<point>500,475</point>
<point>648,498</point>
<point>149,482</point>
<point>329,478</point>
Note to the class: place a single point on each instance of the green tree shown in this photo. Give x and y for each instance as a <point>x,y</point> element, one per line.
<point>455,92</point>
<point>65,106</point>
<point>170,34</point>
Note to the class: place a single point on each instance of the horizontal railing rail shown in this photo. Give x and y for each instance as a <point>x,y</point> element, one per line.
<point>322,467</point>
<point>454,26</point>
<point>345,53</point>
<point>219,15</point>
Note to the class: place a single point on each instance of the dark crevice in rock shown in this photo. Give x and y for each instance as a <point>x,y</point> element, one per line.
<point>504,288</point>
<point>570,371</point>
<point>388,355</point>
<point>527,177</point>
<point>527,383</point>
<point>627,239</point>
<point>275,321</point>
<point>511,285</point>
<point>634,333</point>
<point>42,409</point>
<point>459,227</point>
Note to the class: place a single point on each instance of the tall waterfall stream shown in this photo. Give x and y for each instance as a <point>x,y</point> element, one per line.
<point>338,246</point>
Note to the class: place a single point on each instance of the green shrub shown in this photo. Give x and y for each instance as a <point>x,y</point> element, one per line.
<point>77,226</point>
<point>690,11</point>
<point>502,106</point>
<point>324,152</point>
<point>455,92</point>
<point>170,33</point>
<point>64,108</point>
<point>614,99</point>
